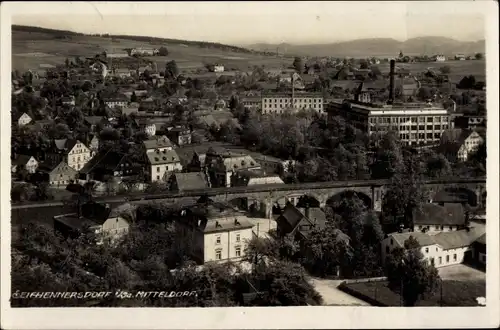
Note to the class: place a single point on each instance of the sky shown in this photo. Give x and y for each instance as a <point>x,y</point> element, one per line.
<point>245,23</point>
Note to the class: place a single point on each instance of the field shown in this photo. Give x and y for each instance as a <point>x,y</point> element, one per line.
<point>455,293</point>
<point>30,49</point>
<point>459,69</point>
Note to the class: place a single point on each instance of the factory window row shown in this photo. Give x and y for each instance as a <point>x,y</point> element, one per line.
<point>409,120</point>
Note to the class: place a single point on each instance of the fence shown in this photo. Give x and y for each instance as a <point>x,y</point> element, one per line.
<point>365,280</point>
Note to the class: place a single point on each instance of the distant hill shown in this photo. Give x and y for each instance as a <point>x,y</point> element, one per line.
<point>62,34</point>
<point>379,47</point>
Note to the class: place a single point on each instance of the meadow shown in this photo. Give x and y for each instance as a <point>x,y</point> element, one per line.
<point>30,49</point>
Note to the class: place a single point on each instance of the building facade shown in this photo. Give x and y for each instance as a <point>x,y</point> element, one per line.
<point>415,123</point>
<point>163,164</point>
<point>215,232</point>
<point>291,102</point>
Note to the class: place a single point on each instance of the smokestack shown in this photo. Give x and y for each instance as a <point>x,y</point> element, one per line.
<point>293,91</point>
<point>391,82</point>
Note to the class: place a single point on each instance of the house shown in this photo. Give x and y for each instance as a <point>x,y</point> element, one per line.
<point>97,218</point>
<point>460,57</point>
<point>180,182</point>
<point>69,101</point>
<point>107,164</point>
<point>299,222</point>
<point>179,135</point>
<point>140,51</point>
<point>160,143</point>
<point>221,167</point>
<point>117,101</point>
<point>193,156</point>
<point>163,164</point>
<point>442,249</point>
<point>28,163</point>
<point>147,126</point>
<point>73,152</point>
<point>22,119</point>
<point>269,164</point>
<point>94,145</point>
<point>433,218</point>
<point>479,250</point>
<point>439,58</point>
<point>60,175</point>
<point>458,144</point>
<point>121,72</point>
<point>215,232</point>
<point>216,68</point>
<point>115,54</point>
<point>250,178</point>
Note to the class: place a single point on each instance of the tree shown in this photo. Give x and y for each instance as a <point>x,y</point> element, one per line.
<point>298,64</point>
<point>163,51</point>
<point>282,284</point>
<point>133,98</point>
<point>467,82</point>
<point>363,64</point>
<point>424,93</point>
<point>479,56</point>
<point>445,69</point>
<point>171,69</point>
<point>409,274</point>
<point>325,251</point>
<point>437,166</point>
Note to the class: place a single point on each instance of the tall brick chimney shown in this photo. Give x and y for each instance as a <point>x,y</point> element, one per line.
<point>391,82</point>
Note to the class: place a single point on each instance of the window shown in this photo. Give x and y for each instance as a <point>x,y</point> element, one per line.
<point>432,261</point>
<point>238,251</point>
<point>392,242</point>
<point>217,239</point>
<point>455,257</point>
<point>447,258</point>
<point>437,227</point>
<point>440,260</point>
<point>237,237</point>
<point>157,177</point>
<point>387,250</point>
<point>451,227</point>
<point>442,227</point>
<point>426,250</point>
<point>218,254</point>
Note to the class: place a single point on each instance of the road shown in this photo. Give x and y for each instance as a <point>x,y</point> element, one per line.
<point>332,296</point>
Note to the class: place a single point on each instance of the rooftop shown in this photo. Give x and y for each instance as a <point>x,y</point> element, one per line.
<point>163,157</point>
<point>433,214</point>
<point>162,142</point>
<point>191,181</point>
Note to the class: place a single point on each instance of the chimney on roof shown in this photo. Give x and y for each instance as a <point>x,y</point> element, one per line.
<point>391,82</point>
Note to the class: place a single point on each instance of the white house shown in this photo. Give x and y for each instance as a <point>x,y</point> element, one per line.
<point>218,68</point>
<point>163,164</point>
<point>433,218</point>
<point>104,221</point>
<point>29,163</point>
<point>216,231</point>
<point>75,153</point>
<point>61,175</point>
<point>118,101</point>
<point>24,119</point>
<point>459,144</point>
<point>440,58</point>
<point>442,249</point>
<point>161,143</point>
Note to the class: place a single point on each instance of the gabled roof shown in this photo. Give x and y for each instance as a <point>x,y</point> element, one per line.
<point>460,238</point>
<point>163,157</point>
<point>422,238</point>
<point>433,214</point>
<point>191,181</point>
<point>108,160</point>
<point>62,168</point>
<point>292,216</point>
<point>21,160</point>
<point>163,142</point>
<point>66,144</point>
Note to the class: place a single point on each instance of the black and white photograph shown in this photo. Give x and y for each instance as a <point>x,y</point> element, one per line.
<point>223,155</point>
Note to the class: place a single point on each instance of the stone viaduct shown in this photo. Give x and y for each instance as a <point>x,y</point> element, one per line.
<point>264,197</point>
